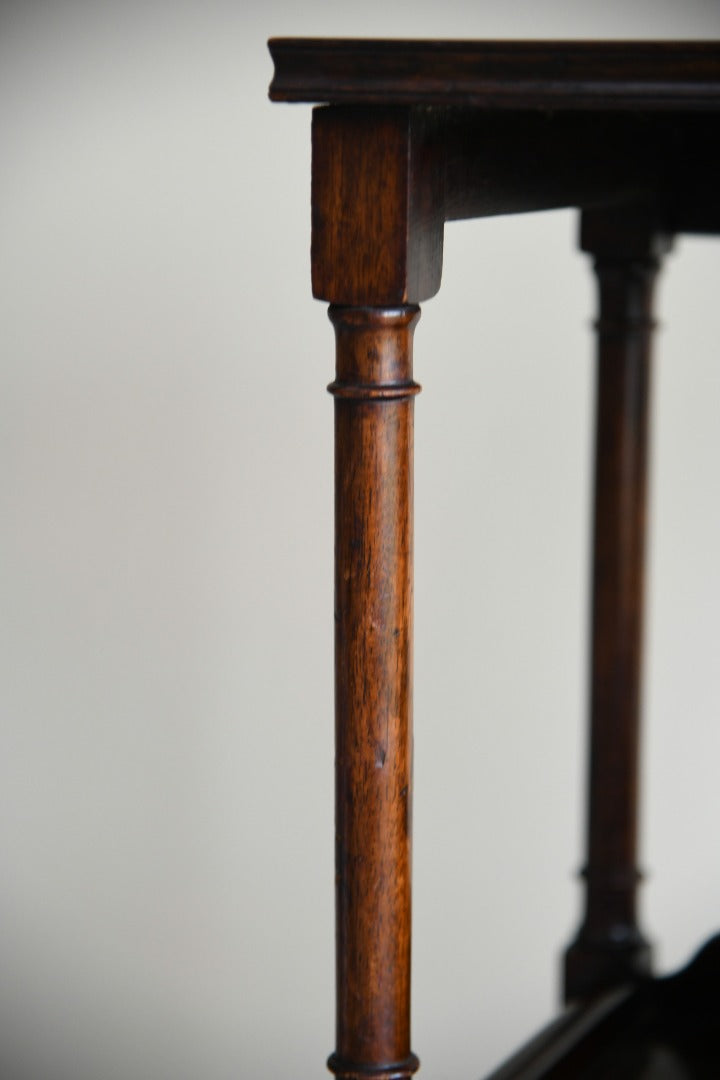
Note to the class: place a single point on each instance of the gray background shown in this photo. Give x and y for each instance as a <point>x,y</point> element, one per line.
<point>165,582</point>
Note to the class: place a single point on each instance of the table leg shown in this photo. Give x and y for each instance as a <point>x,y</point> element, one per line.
<point>610,948</point>
<point>373,394</point>
<point>377,221</point>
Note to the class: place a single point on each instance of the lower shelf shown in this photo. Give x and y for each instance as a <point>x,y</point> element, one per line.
<point>659,1029</point>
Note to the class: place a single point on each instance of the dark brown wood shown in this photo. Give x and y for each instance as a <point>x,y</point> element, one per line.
<point>573,1037</point>
<point>377,226</point>
<point>386,179</point>
<point>413,134</point>
<point>627,247</point>
<point>374,393</point>
<point>509,163</point>
<point>568,75</point>
<point>691,173</point>
<point>665,1029</point>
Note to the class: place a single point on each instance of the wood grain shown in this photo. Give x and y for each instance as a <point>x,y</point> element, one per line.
<point>413,134</point>
<point>374,393</point>
<point>377,226</point>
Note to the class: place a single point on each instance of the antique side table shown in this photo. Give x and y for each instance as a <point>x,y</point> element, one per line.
<point>408,135</point>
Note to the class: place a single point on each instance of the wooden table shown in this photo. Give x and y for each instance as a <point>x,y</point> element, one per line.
<point>410,135</point>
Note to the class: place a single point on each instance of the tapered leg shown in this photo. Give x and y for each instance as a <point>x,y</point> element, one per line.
<point>610,948</point>
<point>373,655</point>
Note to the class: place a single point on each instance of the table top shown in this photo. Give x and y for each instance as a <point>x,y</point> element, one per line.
<point>665,76</point>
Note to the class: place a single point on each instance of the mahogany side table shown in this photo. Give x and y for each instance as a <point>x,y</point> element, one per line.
<point>408,135</point>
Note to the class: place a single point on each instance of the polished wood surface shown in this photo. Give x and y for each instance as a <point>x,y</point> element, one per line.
<point>374,392</point>
<point>567,75</point>
<point>407,136</point>
<point>377,224</point>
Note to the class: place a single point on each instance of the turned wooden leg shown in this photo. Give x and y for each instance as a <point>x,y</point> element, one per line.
<point>376,254</point>
<point>610,948</point>
<point>373,678</point>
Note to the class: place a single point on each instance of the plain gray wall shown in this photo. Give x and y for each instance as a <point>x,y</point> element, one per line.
<point>166,609</point>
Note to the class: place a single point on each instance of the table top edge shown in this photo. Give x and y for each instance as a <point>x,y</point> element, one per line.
<point>509,73</point>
